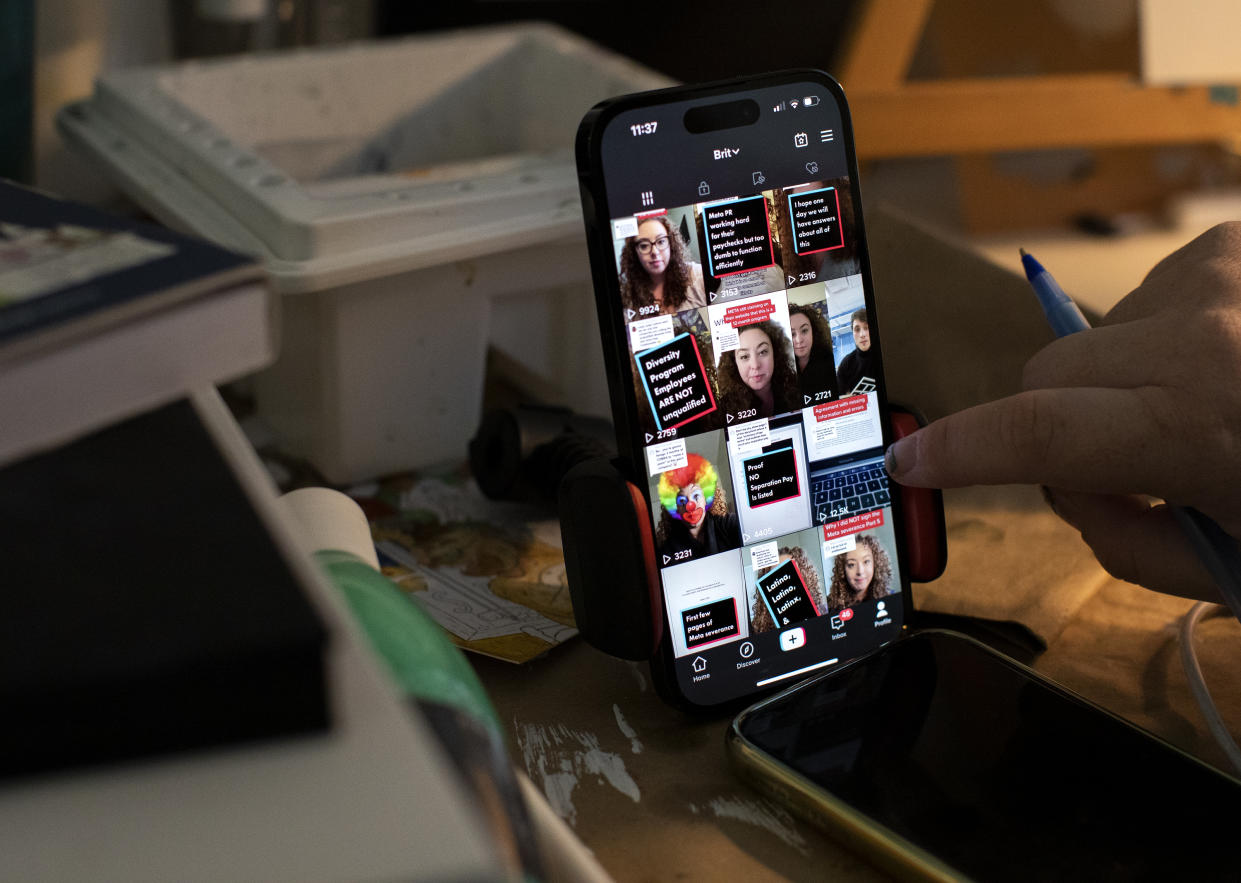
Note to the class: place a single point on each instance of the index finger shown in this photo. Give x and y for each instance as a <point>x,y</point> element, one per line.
<point>1084,438</point>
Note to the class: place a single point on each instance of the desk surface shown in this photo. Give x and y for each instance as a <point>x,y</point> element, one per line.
<point>649,790</point>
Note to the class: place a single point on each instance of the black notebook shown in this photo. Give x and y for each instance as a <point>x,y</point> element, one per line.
<point>145,608</point>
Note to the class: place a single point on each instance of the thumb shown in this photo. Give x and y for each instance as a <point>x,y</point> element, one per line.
<point>1136,542</point>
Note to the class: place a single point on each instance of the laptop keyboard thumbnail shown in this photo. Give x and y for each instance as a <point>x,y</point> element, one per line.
<point>852,490</point>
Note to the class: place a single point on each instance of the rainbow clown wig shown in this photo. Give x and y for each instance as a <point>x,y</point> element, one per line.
<point>697,470</point>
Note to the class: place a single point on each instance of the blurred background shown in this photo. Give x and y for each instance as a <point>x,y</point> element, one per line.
<point>1091,168</point>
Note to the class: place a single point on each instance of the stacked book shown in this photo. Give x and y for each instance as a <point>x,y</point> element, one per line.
<point>102,319</point>
<point>185,695</point>
<point>147,609</point>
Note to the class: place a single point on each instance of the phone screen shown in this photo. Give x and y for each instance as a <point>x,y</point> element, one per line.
<point>998,773</point>
<point>738,314</point>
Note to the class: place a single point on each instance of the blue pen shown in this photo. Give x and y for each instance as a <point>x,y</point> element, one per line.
<point>1062,314</point>
<point>1217,550</point>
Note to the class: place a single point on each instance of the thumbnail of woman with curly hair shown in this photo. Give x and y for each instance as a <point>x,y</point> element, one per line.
<point>760,616</point>
<point>759,375</point>
<point>864,573</point>
<point>655,270</point>
<point>695,516</point>
<point>812,348</point>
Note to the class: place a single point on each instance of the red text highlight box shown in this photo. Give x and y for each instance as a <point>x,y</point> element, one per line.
<point>841,408</point>
<point>748,314</point>
<point>853,524</point>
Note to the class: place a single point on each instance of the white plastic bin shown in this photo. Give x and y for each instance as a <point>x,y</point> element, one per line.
<point>415,200</point>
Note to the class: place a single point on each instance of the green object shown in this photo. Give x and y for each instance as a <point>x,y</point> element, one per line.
<point>426,664</point>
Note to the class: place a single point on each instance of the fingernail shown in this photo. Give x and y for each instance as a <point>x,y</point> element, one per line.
<point>899,458</point>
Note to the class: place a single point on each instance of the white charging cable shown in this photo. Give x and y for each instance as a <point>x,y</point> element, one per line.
<point>1198,686</point>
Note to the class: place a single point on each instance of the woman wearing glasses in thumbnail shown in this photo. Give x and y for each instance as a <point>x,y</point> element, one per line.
<point>656,271</point>
<point>864,573</point>
<point>759,375</point>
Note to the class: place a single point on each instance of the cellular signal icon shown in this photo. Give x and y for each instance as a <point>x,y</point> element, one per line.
<point>778,107</point>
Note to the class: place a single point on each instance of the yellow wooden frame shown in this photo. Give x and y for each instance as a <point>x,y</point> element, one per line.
<point>893,117</point>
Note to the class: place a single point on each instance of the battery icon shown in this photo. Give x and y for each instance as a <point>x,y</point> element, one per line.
<point>810,101</point>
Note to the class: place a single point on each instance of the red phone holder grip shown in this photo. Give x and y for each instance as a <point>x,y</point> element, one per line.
<point>609,550</point>
<point>922,510</point>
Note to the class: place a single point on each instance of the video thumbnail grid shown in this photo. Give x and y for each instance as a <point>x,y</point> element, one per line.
<point>769,500</point>
<point>733,508</point>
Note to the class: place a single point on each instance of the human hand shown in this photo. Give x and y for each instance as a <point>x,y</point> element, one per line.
<point>1148,403</point>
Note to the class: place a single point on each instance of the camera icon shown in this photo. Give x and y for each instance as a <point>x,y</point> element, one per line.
<point>801,139</point>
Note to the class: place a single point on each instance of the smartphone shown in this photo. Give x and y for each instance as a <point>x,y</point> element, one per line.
<point>742,347</point>
<point>942,759</point>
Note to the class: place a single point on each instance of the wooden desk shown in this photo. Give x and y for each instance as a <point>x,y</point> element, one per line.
<point>649,790</point>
